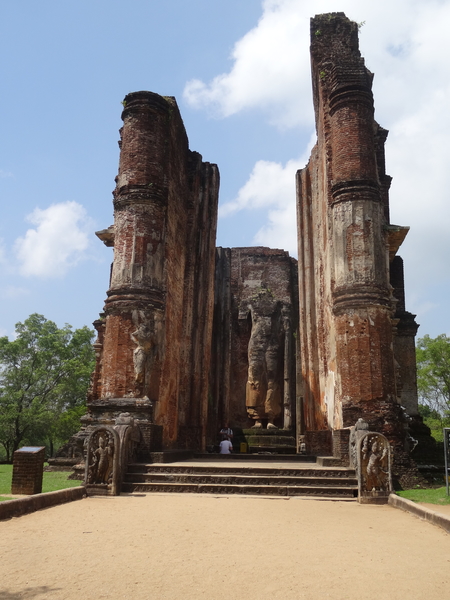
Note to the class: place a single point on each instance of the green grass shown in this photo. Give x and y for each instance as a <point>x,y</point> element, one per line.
<point>52,481</point>
<point>5,479</point>
<point>431,496</point>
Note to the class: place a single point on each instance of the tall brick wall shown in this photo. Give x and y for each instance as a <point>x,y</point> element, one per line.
<point>154,338</point>
<point>347,307</point>
<point>198,301</point>
<point>404,342</point>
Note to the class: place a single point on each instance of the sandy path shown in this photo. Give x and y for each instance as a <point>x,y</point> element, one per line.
<point>195,546</point>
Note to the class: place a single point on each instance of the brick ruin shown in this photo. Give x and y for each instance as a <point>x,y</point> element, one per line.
<point>193,336</point>
<point>356,339</point>
<point>153,348</point>
<point>28,470</point>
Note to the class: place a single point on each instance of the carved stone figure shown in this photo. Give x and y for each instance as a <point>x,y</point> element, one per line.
<point>142,337</point>
<point>264,360</point>
<point>356,432</point>
<point>101,453</point>
<point>287,402</point>
<point>375,463</point>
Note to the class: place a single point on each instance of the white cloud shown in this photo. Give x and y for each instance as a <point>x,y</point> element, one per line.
<point>5,174</point>
<point>2,252</point>
<point>58,242</point>
<point>280,231</point>
<point>268,65</point>
<point>269,184</point>
<point>405,41</point>
<point>272,186</point>
<point>406,44</point>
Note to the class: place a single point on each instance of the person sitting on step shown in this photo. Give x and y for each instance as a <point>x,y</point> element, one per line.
<point>226,447</point>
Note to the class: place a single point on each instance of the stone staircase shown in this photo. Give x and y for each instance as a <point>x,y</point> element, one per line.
<point>236,477</point>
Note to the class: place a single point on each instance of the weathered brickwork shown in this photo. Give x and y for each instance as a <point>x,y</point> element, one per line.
<point>319,443</point>
<point>347,325</point>
<point>154,337</point>
<point>341,441</point>
<point>192,337</point>
<point>404,342</point>
<point>28,468</point>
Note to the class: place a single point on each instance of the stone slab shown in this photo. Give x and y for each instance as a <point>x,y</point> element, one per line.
<point>254,457</point>
<point>169,456</point>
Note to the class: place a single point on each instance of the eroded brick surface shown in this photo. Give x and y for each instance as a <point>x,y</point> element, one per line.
<point>154,337</point>
<point>347,309</point>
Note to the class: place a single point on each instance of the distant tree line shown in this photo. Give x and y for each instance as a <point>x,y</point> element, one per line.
<point>433,382</point>
<point>44,377</point>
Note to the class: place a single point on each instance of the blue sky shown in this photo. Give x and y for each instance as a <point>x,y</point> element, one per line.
<point>240,72</point>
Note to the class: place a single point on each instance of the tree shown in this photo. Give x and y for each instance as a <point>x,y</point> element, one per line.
<point>44,376</point>
<point>433,372</point>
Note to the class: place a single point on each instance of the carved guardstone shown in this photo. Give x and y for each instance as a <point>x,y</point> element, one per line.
<point>374,468</point>
<point>102,462</point>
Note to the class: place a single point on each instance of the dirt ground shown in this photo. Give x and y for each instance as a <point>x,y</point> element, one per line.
<point>174,547</point>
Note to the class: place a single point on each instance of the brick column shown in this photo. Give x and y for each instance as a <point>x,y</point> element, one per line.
<point>346,301</point>
<point>136,293</point>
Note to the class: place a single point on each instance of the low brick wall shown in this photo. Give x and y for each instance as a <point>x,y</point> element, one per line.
<point>319,443</point>
<point>23,506</point>
<point>341,444</point>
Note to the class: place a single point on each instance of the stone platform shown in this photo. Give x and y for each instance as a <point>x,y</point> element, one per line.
<point>281,441</point>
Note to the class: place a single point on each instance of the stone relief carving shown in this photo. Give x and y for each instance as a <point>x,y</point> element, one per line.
<point>130,436</point>
<point>100,458</point>
<point>265,359</point>
<point>356,432</point>
<point>375,468</point>
<point>109,449</point>
<point>287,401</point>
<point>144,338</point>
<point>374,463</point>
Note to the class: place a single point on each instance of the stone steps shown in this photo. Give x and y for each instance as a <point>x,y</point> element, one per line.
<point>285,471</point>
<point>268,481</point>
<point>253,490</point>
<point>137,479</point>
<point>252,457</point>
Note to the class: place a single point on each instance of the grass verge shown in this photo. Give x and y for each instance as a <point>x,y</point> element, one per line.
<point>51,482</point>
<point>430,496</point>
